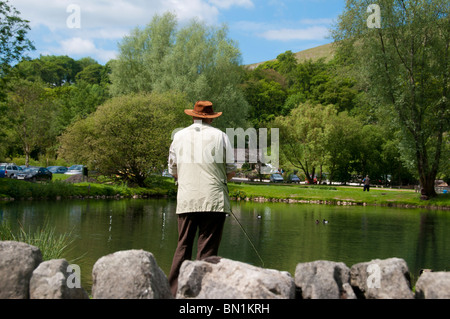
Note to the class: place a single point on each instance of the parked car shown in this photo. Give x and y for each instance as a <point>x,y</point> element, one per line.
<point>57,169</point>
<point>10,170</point>
<point>165,173</point>
<point>293,179</point>
<point>35,174</point>
<point>276,178</point>
<point>74,170</point>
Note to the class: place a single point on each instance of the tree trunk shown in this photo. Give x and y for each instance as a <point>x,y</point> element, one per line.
<point>427,186</point>
<point>427,171</point>
<point>27,156</point>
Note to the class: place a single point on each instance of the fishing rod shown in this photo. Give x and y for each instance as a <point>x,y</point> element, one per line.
<point>248,237</point>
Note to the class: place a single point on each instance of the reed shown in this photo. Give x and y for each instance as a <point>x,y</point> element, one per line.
<point>52,245</point>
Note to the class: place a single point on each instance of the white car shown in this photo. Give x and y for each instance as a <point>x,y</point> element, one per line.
<point>74,170</point>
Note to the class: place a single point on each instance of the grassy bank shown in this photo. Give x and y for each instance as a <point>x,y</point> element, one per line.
<point>59,188</point>
<point>157,186</point>
<point>347,194</point>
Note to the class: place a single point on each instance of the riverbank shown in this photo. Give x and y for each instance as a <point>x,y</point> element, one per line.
<point>335,195</point>
<point>60,188</point>
<point>161,187</point>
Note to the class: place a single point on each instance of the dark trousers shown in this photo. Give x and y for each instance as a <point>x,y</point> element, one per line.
<point>210,227</point>
<point>366,187</point>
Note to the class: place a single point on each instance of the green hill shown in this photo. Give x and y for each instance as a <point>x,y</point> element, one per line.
<point>324,51</point>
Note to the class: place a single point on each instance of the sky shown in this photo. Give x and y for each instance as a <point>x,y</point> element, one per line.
<point>93,28</point>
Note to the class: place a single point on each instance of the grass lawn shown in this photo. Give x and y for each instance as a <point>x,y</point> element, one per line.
<point>58,188</point>
<point>158,186</point>
<point>378,196</point>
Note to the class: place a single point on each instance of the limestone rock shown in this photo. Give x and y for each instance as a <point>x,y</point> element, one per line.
<point>433,285</point>
<point>381,279</point>
<point>229,279</point>
<point>17,262</point>
<point>129,274</point>
<point>52,280</point>
<point>323,280</point>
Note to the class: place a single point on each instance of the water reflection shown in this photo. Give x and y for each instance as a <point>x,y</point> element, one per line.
<point>284,235</point>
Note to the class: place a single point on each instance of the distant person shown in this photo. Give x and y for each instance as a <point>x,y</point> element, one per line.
<point>202,160</point>
<point>366,182</point>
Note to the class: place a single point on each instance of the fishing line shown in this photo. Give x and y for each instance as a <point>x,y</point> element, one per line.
<point>248,237</point>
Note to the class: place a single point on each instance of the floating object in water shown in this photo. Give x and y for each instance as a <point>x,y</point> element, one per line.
<point>259,216</point>
<point>325,221</point>
<point>317,221</point>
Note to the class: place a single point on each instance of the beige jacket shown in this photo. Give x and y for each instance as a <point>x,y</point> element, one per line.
<point>201,156</point>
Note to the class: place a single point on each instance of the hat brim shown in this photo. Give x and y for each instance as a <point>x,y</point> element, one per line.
<point>203,115</point>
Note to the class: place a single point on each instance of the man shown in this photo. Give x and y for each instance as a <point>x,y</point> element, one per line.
<point>202,161</point>
<point>366,182</point>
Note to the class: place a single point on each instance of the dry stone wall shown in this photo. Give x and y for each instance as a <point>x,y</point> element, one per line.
<point>135,274</point>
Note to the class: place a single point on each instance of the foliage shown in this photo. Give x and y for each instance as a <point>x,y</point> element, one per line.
<point>128,136</point>
<point>405,66</point>
<point>30,111</point>
<point>23,189</point>
<point>155,186</point>
<point>343,147</point>
<point>71,89</point>
<point>304,134</point>
<point>238,194</point>
<point>51,245</point>
<point>266,99</point>
<point>276,87</point>
<point>13,36</point>
<point>197,60</point>
<point>57,71</point>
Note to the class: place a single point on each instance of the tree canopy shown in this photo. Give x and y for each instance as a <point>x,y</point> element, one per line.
<point>404,64</point>
<point>197,60</point>
<point>128,136</point>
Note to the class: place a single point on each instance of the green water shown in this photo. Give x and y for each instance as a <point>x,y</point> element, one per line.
<point>285,235</point>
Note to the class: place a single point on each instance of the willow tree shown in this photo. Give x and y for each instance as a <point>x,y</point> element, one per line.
<point>198,60</point>
<point>400,48</point>
<point>304,135</point>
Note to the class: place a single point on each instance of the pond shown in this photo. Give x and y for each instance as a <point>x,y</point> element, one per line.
<point>285,235</point>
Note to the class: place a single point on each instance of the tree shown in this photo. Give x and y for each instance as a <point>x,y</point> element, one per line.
<point>197,60</point>
<point>128,136</point>
<point>55,71</point>
<point>304,133</point>
<point>405,64</point>
<point>343,146</point>
<point>318,81</point>
<point>266,99</point>
<point>30,110</point>
<point>91,74</point>
<point>13,36</point>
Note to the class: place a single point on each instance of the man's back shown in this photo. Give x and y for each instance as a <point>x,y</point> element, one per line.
<point>198,158</point>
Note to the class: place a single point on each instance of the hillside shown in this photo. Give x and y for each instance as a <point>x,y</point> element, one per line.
<point>324,51</point>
